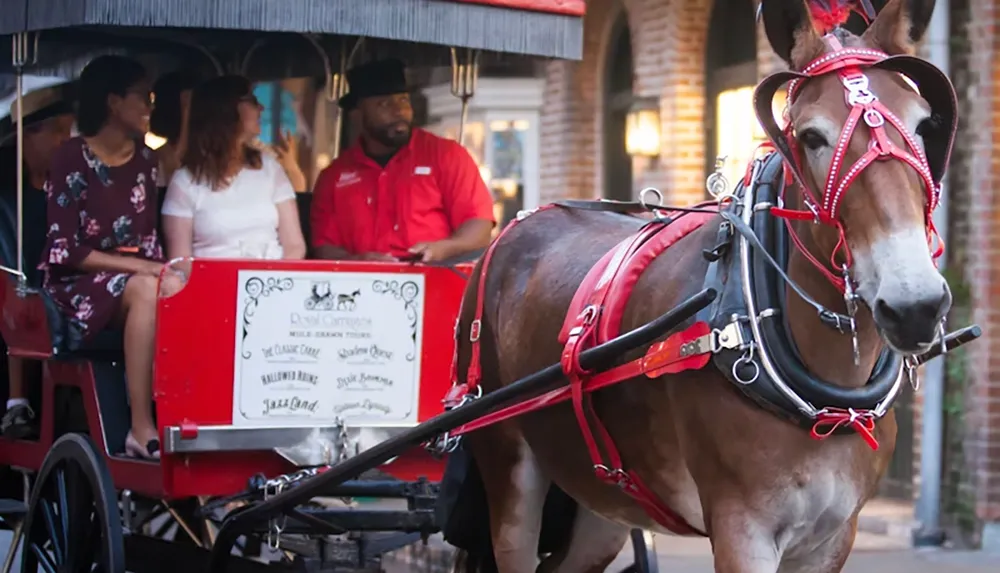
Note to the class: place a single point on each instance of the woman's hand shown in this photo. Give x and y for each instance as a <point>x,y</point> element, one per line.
<point>151,268</point>
<point>171,284</point>
<point>286,150</point>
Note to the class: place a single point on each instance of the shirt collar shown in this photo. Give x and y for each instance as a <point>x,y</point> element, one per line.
<point>356,152</point>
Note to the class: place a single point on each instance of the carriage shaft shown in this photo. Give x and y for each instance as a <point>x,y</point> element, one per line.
<point>596,359</point>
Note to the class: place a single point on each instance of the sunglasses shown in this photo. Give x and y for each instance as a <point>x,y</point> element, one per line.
<point>146,97</point>
<point>251,99</point>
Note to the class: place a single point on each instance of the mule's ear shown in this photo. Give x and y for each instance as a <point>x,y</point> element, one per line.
<point>789,27</point>
<point>900,26</point>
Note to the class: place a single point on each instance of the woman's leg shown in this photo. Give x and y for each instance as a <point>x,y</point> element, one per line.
<point>18,420</point>
<point>139,314</point>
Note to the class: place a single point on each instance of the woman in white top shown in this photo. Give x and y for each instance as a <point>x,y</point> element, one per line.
<point>229,200</point>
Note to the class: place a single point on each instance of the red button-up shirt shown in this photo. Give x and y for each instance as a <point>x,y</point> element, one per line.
<point>426,191</point>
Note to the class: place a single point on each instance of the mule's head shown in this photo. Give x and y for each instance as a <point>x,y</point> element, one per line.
<point>870,151</point>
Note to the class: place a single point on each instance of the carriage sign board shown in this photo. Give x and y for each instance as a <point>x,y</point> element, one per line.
<point>313,348</point>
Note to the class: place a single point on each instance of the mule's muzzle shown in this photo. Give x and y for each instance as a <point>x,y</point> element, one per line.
<point>911,324</point>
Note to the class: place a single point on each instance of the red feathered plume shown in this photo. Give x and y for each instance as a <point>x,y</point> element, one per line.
<point>829,14</point>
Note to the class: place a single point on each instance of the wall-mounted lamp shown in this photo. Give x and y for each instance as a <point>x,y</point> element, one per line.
<point>642,128</point>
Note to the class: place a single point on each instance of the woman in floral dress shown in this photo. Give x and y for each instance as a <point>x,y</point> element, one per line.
<point>103,257</point>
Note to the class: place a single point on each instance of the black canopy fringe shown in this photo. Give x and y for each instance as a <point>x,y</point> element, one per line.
<point>12,16</point>
<point>440,22</point>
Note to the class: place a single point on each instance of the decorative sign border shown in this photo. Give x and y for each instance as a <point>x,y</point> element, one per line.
<point>329,353</point>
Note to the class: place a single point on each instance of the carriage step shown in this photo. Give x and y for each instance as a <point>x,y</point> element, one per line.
<point>12,508</point>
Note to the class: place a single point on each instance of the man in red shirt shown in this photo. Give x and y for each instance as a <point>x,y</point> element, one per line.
<point>399,191</point>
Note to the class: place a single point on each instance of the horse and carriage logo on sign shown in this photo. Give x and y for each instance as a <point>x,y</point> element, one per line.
<point>322,297</point>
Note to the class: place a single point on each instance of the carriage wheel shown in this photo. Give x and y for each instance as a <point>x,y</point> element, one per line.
<point>73,523</point>
<point>644,549</point>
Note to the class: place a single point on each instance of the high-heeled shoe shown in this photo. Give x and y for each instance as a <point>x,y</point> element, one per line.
<point>134,449</point>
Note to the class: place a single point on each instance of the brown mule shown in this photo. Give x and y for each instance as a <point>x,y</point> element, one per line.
<point>726,445</point>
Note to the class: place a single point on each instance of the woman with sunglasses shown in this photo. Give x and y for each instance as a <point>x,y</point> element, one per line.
<point>102,258</point>
<point>228,199</point>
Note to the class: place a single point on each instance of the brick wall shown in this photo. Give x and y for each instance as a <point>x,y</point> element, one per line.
<point>668,44</point>
<point>978,254</point>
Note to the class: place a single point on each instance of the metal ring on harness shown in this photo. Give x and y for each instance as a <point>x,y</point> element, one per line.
<point>647,204</point>
<point>745,359</point>
<point>717,185</point>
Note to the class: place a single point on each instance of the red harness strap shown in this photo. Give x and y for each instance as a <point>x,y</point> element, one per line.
<point>662,358</point>
<point>585,332</point>
<point>458,392</point>
<point>595,316</point>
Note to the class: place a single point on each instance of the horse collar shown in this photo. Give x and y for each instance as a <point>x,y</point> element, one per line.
<point>765,366</point>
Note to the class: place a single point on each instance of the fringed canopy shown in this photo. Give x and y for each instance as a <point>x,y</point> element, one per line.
<point>490,26</point>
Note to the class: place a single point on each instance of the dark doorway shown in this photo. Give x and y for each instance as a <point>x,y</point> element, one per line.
<point>730,62</point>
<point>617,100</point>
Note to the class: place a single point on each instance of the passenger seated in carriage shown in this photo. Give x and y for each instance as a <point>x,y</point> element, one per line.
<point>102,257</point>
<point>399,192</point>
<point>48,121</point>
<point>229,199</point>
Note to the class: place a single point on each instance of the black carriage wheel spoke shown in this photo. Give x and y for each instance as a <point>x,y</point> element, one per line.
<point>62,485</point>
<point>72,525</point>
<point>81,522</point>
<point>93,536</point>
<point>49,514</point>
<point>44,559</point>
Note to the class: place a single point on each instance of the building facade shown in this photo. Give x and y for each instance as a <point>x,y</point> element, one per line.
<point>694,63</point>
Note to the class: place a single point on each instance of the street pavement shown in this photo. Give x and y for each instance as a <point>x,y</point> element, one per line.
<point>880,553</point>
<point>882,545</point>
<point>872,553</point>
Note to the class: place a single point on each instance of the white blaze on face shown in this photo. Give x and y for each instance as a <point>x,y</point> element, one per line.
<point>898,270</point>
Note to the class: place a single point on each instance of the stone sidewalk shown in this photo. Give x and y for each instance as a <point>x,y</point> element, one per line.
<point>683,555</point>
<point>871,553</point>
<point>882,544</point>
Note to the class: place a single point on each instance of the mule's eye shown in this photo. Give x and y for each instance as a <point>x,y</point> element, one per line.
<point>927,126</point>
<point>813,140</point>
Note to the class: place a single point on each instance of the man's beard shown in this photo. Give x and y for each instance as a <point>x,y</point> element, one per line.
<point>392,136</point>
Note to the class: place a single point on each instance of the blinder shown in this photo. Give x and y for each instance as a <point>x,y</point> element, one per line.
<point>763,102</point>
<point>938,91</point>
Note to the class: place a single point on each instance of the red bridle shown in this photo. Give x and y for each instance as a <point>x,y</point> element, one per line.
<point>849,64</point>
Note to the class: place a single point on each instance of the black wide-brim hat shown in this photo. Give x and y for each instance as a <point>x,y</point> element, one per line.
<point>42,97</point>
<point>378,78</point>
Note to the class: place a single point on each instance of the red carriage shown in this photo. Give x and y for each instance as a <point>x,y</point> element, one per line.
<point>267,372</point>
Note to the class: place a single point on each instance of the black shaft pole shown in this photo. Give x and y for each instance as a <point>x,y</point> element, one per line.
<point>593,359</point>
<point>951,342</point>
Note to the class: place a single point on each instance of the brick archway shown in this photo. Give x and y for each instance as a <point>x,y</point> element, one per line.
<point>668,49</point>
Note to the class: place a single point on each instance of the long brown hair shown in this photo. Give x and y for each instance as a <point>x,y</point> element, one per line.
<point>214,129</point>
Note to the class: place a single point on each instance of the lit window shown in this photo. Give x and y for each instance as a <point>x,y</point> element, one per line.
<point>735,129</point>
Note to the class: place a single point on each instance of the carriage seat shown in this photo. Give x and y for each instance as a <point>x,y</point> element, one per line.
<point>106,345</point>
